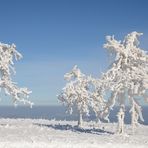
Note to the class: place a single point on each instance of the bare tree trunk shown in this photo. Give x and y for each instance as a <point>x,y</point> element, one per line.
<point>80,119</point>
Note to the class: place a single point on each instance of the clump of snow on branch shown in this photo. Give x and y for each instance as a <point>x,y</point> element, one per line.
<point>7,54</point>
<point>128,75</point>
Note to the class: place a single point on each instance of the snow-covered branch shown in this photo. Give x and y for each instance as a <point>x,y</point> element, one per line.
<point>7,54</point>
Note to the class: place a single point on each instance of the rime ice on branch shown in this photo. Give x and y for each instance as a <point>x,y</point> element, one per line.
<point>7,55</point>
<point>128,76</point>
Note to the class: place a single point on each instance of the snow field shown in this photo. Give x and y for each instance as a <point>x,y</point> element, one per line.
<point>39,133</point>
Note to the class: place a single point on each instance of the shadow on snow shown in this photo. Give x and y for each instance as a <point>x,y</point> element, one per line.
<point>75,129</point>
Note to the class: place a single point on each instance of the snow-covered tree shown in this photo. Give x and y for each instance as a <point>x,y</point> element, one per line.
<point>127,77</point>
<point>7,55</point>
<point>76,93</point>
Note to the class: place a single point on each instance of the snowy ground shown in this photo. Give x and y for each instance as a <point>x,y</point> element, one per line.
<point>28,133</point>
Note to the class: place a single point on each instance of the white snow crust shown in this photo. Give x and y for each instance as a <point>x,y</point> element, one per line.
<point>41,133</point>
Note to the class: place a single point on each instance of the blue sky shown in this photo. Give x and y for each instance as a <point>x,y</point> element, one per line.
<point>54,35</point>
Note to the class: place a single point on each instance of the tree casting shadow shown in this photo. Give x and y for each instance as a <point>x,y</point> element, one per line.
<point>75,129</point>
